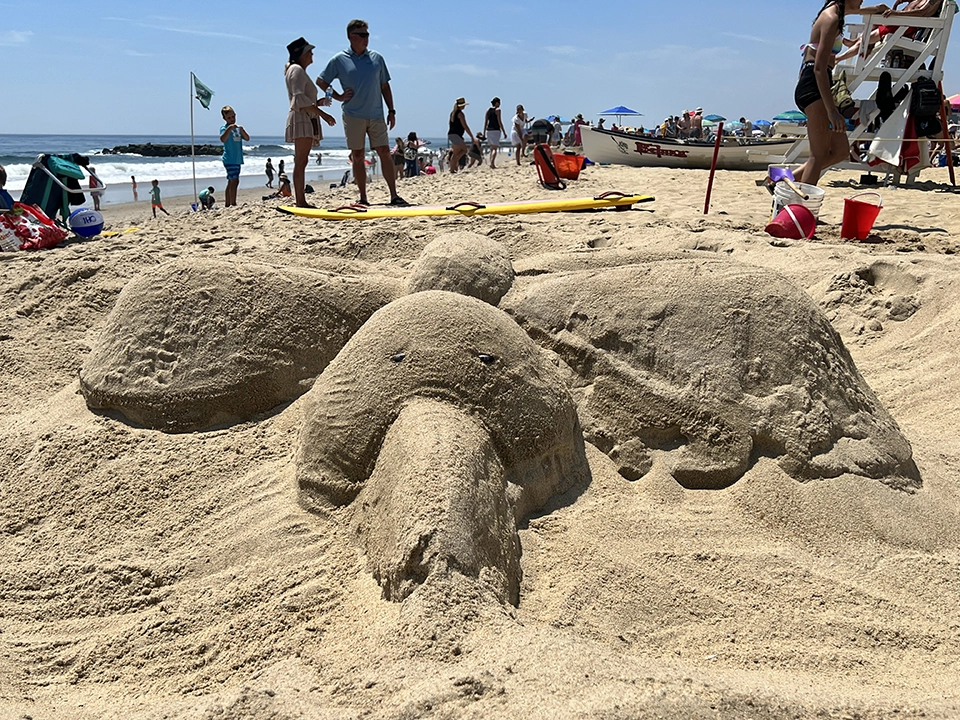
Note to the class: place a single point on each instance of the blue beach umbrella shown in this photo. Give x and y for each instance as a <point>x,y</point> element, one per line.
<point>714,118</point>
<point>620,110</point>
<point>793,116</point>
<point>563,120</point>
<point>762,123</point>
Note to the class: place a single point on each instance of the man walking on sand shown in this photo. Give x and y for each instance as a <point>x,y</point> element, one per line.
<point>365,82</point>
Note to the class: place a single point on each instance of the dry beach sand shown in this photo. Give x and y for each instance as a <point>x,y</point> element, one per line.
<point>665,466</point>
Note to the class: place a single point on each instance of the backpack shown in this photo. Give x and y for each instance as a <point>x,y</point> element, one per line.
<point>925,107</point>
<point>410,153</point>
<point>546,170</point>
<point>926,98</point>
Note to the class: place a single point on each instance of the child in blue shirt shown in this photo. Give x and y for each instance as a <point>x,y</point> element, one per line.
<point>6,201</point>
<point>232,137</point>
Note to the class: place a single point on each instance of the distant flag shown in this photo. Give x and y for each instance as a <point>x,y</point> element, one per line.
<point>204,94</point>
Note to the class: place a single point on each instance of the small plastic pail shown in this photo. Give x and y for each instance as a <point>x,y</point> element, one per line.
<point>793,221</point>
<point>859,216</point>
<point>783,196</point>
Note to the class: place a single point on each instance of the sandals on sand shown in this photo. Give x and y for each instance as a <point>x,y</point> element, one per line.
<point>399,202</point>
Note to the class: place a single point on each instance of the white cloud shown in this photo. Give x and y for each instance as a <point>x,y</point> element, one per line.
<point>488,44</point>
<point>751,38</point>
<point>562,49</point>
<point>474,70</point>
<point>191,31</point>
<point>15,37</point>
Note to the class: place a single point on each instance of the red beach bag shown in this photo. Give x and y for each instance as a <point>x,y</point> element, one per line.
<point>568,165</point>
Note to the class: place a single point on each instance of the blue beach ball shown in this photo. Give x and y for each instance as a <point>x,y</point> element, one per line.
<point>86,223</point>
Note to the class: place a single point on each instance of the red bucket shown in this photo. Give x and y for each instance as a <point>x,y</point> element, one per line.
<point>793,221</point>
<point>859,216</point>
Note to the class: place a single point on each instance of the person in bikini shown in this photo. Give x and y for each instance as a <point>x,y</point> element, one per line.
<point>826,127</point>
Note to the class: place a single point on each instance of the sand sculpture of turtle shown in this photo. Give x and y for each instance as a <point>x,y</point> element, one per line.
<point>437,415</point>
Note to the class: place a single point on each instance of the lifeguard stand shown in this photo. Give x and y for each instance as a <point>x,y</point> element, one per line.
<point>921,54</point>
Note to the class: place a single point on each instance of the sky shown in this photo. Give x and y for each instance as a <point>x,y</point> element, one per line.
<point>112,67</point>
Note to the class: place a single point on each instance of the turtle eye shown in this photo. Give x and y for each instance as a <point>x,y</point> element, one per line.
<point>398,357</point>
<point>487,359</point>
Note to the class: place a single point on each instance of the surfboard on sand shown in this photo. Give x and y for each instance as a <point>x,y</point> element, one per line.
<point>618,200</point>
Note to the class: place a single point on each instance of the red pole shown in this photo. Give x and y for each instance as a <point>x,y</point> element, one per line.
<point>713,168</point>
<point>946,136</point>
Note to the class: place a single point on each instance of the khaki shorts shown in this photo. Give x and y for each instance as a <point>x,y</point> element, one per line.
<point>356,131</point>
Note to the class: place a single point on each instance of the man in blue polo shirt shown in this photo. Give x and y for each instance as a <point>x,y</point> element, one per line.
<point>365,83</point>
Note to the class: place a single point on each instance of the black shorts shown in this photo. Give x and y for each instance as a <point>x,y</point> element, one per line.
<point>808,92</point>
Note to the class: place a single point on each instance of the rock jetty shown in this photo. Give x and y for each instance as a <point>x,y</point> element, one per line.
<point>151,150</point>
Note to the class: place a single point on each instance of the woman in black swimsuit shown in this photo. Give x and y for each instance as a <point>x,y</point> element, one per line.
<point>826,127</point>
<point>458,126</point>
<point>493,127</point>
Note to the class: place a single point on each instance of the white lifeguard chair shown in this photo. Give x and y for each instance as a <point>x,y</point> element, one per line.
<point>919,54</point>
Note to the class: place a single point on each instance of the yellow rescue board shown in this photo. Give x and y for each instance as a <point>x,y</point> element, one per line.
<point>359,212</point>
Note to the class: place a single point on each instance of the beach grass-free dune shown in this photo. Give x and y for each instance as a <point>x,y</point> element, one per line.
<point>607,464</point>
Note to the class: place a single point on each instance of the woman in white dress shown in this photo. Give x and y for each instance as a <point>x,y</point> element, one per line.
<point>303,119</point>
<point>517,133</point>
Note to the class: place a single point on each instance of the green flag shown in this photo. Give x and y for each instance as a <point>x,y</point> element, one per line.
<point>204,94</point>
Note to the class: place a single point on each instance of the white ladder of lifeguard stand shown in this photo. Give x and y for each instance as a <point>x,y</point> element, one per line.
<point>867,66</point>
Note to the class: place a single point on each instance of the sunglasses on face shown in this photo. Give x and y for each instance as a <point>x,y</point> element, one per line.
<point>361,34</point>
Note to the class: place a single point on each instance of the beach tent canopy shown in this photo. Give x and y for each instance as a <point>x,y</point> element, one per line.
<point>714,118</point>
<point>793,116</point>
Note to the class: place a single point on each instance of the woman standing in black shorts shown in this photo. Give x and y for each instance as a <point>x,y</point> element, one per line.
<point>493,127</point>
<point>826,127</point>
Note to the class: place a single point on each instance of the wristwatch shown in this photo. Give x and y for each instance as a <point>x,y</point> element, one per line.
<point>391,111</point>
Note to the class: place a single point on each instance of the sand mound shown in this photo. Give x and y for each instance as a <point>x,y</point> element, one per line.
<point>718,363</point>
<point>194,344</point>
<point>459,423</point>
<point>465,263</point>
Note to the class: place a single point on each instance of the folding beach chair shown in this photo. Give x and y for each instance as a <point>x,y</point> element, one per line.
<point>54,184</point>
<point>343,181</point>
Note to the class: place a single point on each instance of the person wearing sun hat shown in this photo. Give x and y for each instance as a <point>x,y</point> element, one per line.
<point>304,115</point>
<point>456,128</point>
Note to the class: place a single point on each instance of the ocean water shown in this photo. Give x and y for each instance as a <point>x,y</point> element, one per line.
<point>18,153</point>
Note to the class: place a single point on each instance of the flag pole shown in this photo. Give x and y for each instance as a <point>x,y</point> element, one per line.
<point>193,155</point>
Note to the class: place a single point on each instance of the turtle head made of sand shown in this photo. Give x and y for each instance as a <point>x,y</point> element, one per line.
<point>443,424</point>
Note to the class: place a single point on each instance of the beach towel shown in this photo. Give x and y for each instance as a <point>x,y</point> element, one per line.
<point>887,148</point>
